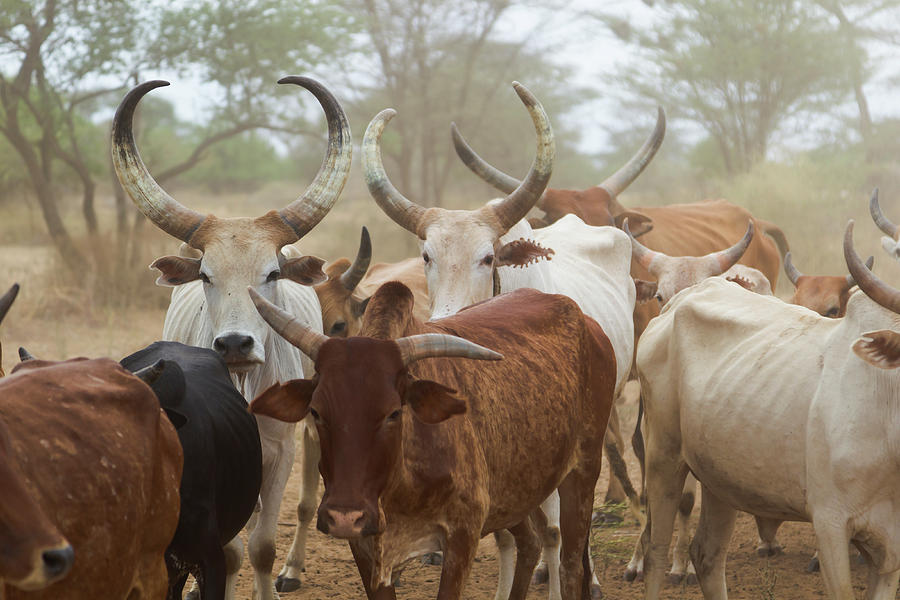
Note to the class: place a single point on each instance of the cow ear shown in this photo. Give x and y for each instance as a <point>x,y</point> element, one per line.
<point>176,270</point>
<point>177,419</point>
<point>432,402</point>
<point>521,252</point>
<point>638,223</point>
<point>646,290</point>
<point>288,402</point>
<point>306,270</point>
<point>879,348</point>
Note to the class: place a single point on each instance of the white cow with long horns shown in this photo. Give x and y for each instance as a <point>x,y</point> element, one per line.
<point>211,308</point>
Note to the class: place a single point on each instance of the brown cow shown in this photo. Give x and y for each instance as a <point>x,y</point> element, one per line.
<point>346,292</point>
<point>825,294</point>
<point>402,477</point>
<point>104,463</point>
<point>35,554</point>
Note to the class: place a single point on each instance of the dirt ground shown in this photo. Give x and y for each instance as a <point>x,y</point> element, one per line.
<point>331,572</point>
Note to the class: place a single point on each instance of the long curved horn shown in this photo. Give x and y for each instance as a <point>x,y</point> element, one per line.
<point>873,287</point>
<point>869,262</point>
<point>490,174</point>
<point>7,299</point>
<point>644,255</point>
<point>286,325</point>
<point>405,213</point>
<point>429,345</point>
<point>728,258</point>
<point>790,270</point>
<point>178,221</point>
<point>616,183</point>
<point>883,223</point>
<point>352,276</point>
<point>516,205</point>
<point>306,211</point>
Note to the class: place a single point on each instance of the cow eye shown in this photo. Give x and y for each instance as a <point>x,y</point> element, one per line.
<point>338,328</point>
<point>273,276</point>
<point>488,260</point>
<point>315,415</point>
<point>426,258</point>
<point>394,416</point>
<point>832,312</point>
<point>204,277</point>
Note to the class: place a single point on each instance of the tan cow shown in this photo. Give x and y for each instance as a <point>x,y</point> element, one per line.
<point>345,295</point>
<point>825,294</point>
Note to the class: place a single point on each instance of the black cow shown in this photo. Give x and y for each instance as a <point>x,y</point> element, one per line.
<point>222,459</point>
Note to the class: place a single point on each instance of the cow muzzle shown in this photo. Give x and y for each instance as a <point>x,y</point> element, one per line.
<point>238,350</point>
<point>50,565</point>
<point>345,524</point>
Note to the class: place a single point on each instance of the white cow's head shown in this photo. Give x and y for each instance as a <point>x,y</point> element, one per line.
<point>878,348</point>
<point>891,241</point>
<point>675,273</point>
<point>235,253</point>
<point>462,248</point>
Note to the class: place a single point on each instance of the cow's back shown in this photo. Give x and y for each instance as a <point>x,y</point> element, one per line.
<point>411,272</point>
<point>542,395</point>
<point>105,464</point>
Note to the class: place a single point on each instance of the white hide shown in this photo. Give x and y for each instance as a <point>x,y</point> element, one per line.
<point>766,403</point>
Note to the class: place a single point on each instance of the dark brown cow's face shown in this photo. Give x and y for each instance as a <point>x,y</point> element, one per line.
<point>827,295</point>
<point>33,554</point>
<point>357,399</point>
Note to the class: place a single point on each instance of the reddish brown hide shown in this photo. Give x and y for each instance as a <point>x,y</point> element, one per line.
<point>403,474</point>
<point>825,294</point>
<point>104,464</point>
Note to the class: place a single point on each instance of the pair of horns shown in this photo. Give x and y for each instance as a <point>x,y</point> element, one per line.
<point>614,185</point>
<point>412,348</point>
<point>794,273</point>
<point>181,222</point>
<point>873,287</point>
<point>353,275</point>
<point>723,259</point>
<point>522,195</point>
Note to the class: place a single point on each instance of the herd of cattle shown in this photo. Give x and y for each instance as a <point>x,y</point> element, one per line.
<point>121,479</point>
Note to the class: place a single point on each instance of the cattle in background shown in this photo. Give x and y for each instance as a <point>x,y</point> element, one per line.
<point>425,455</point>
<point>103,463</point>
<point>222,459</point>
<point>677,230</point>
<point>210,307</point>
<point>344,295</point>
<point>35,554</point>
<point>825,294</point>
<point>717,366</point>
<point>468,255</point>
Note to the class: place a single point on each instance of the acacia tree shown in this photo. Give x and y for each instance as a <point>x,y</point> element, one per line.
<point>738,68</point>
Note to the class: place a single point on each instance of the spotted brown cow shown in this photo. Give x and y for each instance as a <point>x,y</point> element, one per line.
<point>104,464</point>
<point>431,455</point>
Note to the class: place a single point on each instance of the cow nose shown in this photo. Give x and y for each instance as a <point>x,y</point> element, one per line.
<point>233,346</point>
<point>58,561</point>
<point>343,524</point>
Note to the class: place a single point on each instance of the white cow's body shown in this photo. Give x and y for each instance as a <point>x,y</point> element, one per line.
<point>766,403</point>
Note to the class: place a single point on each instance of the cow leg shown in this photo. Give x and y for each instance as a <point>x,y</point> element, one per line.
<point>666,474</point>
<point>767,528</point>
<point>615,493</point>
<point>576,500</point>
<point>881,586</point>
<point>278,457</point>
<point>234,554</point>
<point>550,553</point>
<point>506,545</point>
<point>528,551</point>
<point>710,545</point>
<point>211,574</point>
<point>289,578</point>
<point>834,559</point>
<point>635,567</point>
<point>681,563</point>
<point>459,554</point>
<point>363,553</point>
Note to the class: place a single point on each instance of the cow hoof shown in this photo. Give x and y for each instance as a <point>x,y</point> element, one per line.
<point>283,585</point>
<point>766,551</point>
<point>692,579</point>
<point>674,578</point>
<point>541,575</point>
<point>631,574</point>
<point>813,566</point>
<point>596,594</point>
<point>433,558</point>
<point>193,595</point>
